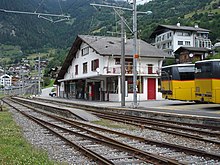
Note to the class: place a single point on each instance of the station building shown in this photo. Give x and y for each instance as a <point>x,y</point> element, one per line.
<point>92,70</point>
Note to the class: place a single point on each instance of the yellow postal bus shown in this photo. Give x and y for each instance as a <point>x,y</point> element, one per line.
<point>177,82</point>
<point>207,81</point>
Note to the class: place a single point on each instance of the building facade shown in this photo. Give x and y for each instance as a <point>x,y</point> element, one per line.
<point>92,70</point>
<point>191,54</point>
<point>171,37</point>
<point>5,80</point>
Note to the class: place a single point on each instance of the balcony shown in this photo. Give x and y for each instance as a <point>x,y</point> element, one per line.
<point>141,70</point>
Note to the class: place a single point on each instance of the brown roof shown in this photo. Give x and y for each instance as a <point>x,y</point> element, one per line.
<point>191,49</point>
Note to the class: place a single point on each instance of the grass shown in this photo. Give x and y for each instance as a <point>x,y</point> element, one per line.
<point>202,11</point>
<point>14,149</point>
<point>112,124</point>
<point>8,50</point>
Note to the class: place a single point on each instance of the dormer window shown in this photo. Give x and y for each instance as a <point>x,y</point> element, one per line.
<point>85,51</point>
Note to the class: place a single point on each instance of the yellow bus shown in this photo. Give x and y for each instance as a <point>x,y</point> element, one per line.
<point>207,81</point>
<point>177,82</point>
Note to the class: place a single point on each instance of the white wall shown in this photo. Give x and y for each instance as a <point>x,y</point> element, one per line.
<point>79,60</point>
<point>177,38</point>
<point>108,61</point>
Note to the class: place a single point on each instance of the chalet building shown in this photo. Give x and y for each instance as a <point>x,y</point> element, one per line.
<point>92,70</point>
<point>171,37</point>
<point>190,54</point>
<point>5,80</point>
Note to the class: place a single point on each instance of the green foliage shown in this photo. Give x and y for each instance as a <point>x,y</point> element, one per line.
<point>14,148</point>
<point>216,56</point>
<point>10,54</point>
<point>169,61</point>
<point>34,35</point>
<point>47,81</point>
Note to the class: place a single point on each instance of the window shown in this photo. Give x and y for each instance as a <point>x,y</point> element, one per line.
<point>183,33</point>
<point>186,33</point>
<point>85,51</point>
<point>203,70</point>
<point>139,84</point>
<point>112,84</point>
<point>85,67</point>
<point>187,43</point>
<point>76,69</point>
<point>180,42</point>
<point>186,73</point>
<point>128,65</point>
<point>94,65</point>
<point>117,61</point>
<point>164,46</point>
<point>150,68</point>
<point>179,33</point>
<point>168,35</point>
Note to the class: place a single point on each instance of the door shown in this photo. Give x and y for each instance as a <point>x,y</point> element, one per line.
<point>151,89</point>
<point>97,91</point>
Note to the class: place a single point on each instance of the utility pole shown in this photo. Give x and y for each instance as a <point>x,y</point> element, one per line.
<point>136,56</point>
<point>22,79</point>
<point>134,32</point>
<point>122,63</point>
<point>4,81</point>
<point>39,75</point>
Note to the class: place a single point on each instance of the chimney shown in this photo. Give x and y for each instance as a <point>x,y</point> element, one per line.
<point>196,26</point>
<point>178,24</point>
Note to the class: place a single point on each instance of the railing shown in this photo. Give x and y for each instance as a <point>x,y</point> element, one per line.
<point>129,70</point>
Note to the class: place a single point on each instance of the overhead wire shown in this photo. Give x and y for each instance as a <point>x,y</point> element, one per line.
<point>60,7</point>
<point>39,6</point>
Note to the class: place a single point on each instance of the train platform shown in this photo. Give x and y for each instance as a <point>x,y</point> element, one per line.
<point>157,106</point>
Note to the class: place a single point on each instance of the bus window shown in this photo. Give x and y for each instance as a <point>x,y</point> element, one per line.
<point>186,73</point>
<point>166,74</point>
<point>203,70</point>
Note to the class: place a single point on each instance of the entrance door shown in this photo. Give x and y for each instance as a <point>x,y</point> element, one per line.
<point>151,89</point>
<point>97,91</point>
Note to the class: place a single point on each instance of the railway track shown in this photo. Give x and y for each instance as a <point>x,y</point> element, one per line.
<point>181,154</point>
<point>100,148</point>
<point>200,132</point>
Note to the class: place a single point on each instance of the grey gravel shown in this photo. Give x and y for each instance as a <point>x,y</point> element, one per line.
<point>57,150</point>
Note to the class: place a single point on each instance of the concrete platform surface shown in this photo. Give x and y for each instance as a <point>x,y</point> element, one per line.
<point>166,106</point>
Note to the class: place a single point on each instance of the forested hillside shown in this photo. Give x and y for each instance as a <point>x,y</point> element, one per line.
<point>205,13</point>
<point>32,34</point>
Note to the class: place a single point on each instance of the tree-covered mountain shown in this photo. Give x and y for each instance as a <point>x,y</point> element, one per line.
<point>32,33</point>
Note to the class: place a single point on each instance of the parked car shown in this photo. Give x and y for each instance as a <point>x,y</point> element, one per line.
<point>52,94</point>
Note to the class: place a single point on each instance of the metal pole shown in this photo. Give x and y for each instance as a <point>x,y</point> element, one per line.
<point>4,80</point>
<point>22,79</point>
<point>122,63</point>
<point>39,75</point>
<point>135,54</point>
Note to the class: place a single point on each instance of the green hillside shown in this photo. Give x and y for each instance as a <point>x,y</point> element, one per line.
<point>30,34</point>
